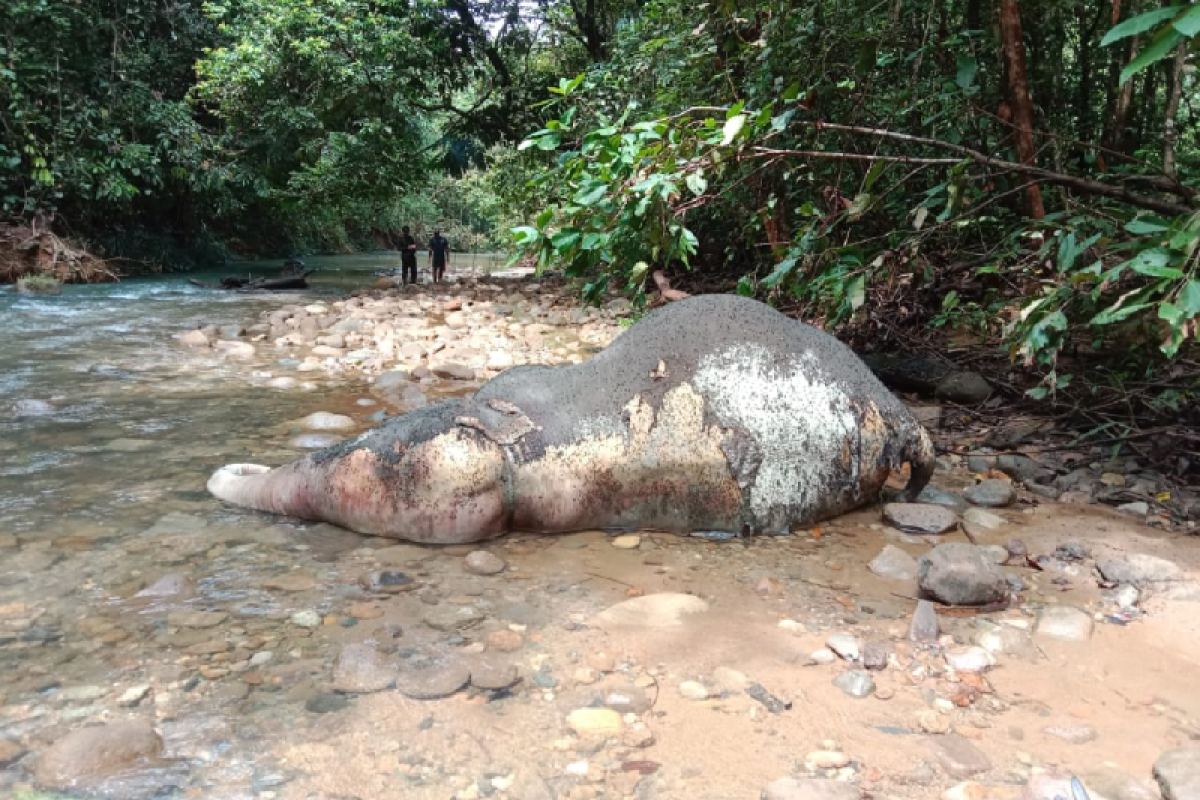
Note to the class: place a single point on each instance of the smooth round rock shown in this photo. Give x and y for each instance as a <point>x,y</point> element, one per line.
<point>1065,624</point>
<point>325,421</point>
<point>481,562</point>
<point>434,681</point>
<point>961,575</point>
<point>595,722</point>
<point>98,752</point>
<point>920,517</point>
<point>629,541</point>
<point>315,441</point>
<point>992,493</point>
<point>894,564</point>
<point>492,675</point>
<point>855,683</point>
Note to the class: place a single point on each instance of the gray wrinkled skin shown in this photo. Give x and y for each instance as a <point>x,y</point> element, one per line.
<point>715,413</point>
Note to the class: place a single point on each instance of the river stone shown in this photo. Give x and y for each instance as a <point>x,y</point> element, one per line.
<point>970,659</point>
<point>1065,623</point>
<point>847,646</point>
<point>964,388</point>
<point>361,669</point>
<point>977,520</point>
<point>920,518</point>
<point>433,681</point>
<point>481,562</point>
<point>450,618</point>
<point>172,584</point>
<point>1139,570</point>
<point>894,564</point>
<point>86,756</point>
<point>993,493</point>
<point>962,575</point>
<point>932,495</point>
<point>1072,733</point>
<point>924,624</point>
<point>291,582</point>
<point>855,683</point>
<point>324,421</point>
<point>1113,784</point>
<point>957,756</point>
<point>393,379</point>
<point>809,789</point>
<point>595,722</point>
<point>663,610</point>
<point>1022,468</point>
<point>1178,773</point>
<point>326,703</point>
<point>196,619</point>
<point>454,372</point>
<point>492,675</point>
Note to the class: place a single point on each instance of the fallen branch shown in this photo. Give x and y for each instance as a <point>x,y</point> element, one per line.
<point>1085,185</point>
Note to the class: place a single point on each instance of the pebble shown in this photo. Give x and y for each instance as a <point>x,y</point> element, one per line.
<point>823,656</point>
<point>326,703</point>
<point>931,495</point>
<point>962,575</point>
<point>693,690</point>
<point>448,618</point>
<point>133,695</point>
<point>875,655</point>
<point>595,722</point>
<point>628,541</point>
<point>847,646</point>
<point>894,564</point>
<point>982,521</point>
<point>504,641</point>
<point>493,676</point>
<point>196,619</point>
<point>1073,733</point>
<point>364,611</point>
<point>920,517</point>
<point>932,721</point>
<point>291,582</point>
<point>924,624</point>
<point>314,441</point>
<point>433,681</point>
<point>970,659</point>
<point>361,669</point>
<point>324,421</point>
<point>855,683</point>
<point>306,618</point>
<point>1139,508</point>
<point>481,562</point>
<point>958,757</point>
<point>1064,623</point>
<point>992,493</point>
<point>91,754</point>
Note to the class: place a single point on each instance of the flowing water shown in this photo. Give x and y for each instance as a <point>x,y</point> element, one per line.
<point>127,593</point>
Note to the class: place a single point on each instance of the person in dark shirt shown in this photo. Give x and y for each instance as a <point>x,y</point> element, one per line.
<point>439,255</point>
<point>408,256</point>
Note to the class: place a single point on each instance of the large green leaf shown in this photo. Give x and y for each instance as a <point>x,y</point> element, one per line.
<point>1157,50</point>
<point>1188,22</point>
<point>1189,298</point>
<point>967,67</point>
<point>1139,24</point>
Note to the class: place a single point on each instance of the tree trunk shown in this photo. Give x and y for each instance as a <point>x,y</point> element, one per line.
<point>1174,92</point>
<point>1116,138</point>
<point>1018,96</point>
<point>1085,88</point>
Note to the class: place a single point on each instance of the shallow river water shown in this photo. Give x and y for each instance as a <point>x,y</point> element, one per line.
<point>280,659</point>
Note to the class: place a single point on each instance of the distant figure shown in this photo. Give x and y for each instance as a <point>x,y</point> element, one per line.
<point>408,256</point>
<point>439,255</point>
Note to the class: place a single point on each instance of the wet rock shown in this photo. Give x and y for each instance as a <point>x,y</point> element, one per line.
<point>306,619</point>
<point>847,646</point>
<point>291,582</point>
<point>315,441</point>
<point>326,703</point>
<point>85,757</point>
<point>170,585</point>
<point>196,619</point>
<point>960,574</point>
<point>481,562</point>
<point>812,789</point>
<point>387,582</point>
<point>504,641</point>
<point>920,518</point>
<point>1044,490</point>
<point>958,757</point>
<point>492,675</point>
<point>454,372</point>
<point>361,669</point>
<point>1073,733</point>
<point>924,624</point>
<point>1178,773</point>
<point>234,349</point>
<point>663,610</point>
<point>192,338</point>
<point>931,495</point>
<point>1140,570</point>
<point>992,493</point>
<point>894,564</point>
<point>1065,624</point>
<point>855,683</point>
<point>324,421</point>
<point>965,388</point>
<point>599,723</point>
<point>434,680</point>
<point>448,618</point>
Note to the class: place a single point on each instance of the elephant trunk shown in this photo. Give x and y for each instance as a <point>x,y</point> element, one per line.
<point>284,490</point>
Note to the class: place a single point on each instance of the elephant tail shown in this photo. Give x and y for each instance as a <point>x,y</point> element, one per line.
<point>922,460</point>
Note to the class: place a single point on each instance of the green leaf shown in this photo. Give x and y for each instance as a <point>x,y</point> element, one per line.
<point>1157,50</point>
<point>1154,263</point>
<point>745,286</point>
<point>565,239</point>
<point>779,273</point>
<point>1139,24</point>
<point>1170,313</point>
<point>733,126</point>
<point>1110,315</point>
<point>591,192</point>
<point>861,203</point>
<point>638,273</point>
<point>1189,22</point>
<point>524,234</point>
<point>967,68</point>
<point>1189,298</point>
<point>549,141</point>
<point>856,292</point>
<point>1144,225</point>
<point>791,93</point>
<point>696,183</point>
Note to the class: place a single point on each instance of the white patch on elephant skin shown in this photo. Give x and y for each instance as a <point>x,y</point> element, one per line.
<point>801,424</point>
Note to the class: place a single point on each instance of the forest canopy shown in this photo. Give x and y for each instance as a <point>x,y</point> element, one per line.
<point>1028,169</point>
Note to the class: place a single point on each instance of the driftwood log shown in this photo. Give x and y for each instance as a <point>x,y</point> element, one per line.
<point>285,282</point>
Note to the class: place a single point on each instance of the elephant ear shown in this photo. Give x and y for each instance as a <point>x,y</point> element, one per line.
<point>501,421</point>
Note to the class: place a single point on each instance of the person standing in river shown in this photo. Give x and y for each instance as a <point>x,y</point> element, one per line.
<point>408,256</point>
<point>439,255</point>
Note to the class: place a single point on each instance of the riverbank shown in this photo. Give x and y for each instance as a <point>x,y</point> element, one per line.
<point>225,654</point>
